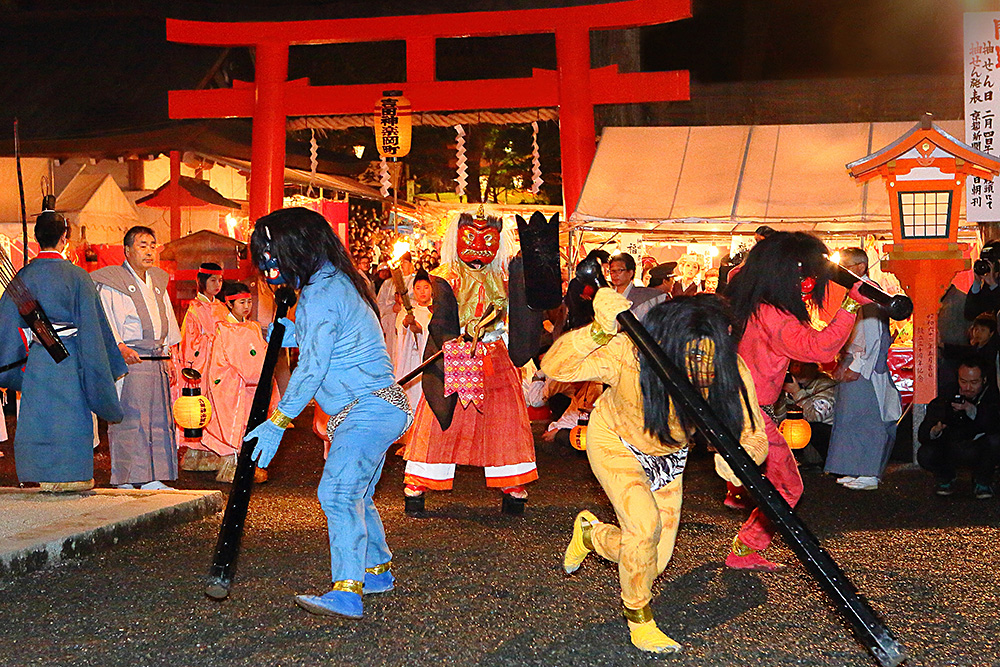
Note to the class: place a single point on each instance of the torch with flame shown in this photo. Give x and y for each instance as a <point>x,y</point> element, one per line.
<point>399,249</point>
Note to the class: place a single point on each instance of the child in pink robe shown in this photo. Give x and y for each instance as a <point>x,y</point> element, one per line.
<point>232,375</point>
<point>197,335</point>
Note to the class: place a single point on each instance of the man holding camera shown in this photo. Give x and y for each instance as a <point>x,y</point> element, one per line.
<point>984,295</point>
<point>962,428</point>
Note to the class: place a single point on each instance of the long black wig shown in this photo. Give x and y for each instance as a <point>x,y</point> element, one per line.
<point>302,241</point>
<point>773,273</point>
<point>674,325</point>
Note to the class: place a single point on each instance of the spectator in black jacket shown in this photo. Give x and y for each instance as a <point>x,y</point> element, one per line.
<point>984,295</point>
<point>962,428</point>
<point>983,343</point>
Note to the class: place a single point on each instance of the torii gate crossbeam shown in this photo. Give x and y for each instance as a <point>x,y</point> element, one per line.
<point>575,87</point>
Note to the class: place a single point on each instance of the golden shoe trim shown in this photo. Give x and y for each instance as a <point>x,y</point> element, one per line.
<point>739,548</point>
<point>644,615</point>
<point>349,585</point>
<point>586,532</point>
<point>379,569</point>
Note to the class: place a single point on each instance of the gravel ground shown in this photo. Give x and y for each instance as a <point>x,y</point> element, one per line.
<point>479,588</point>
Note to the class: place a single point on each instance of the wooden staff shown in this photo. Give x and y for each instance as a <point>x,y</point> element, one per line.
<point>870,630</point>
<point>20,189</point>
<point>227,549</point>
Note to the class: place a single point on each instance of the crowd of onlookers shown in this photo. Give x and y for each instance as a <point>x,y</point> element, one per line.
<point>853,408</point>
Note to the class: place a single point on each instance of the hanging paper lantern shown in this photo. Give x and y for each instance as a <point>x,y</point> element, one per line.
<point>795,429</point>
<point>192,411</point>
<point>578,437</point>
<point>392,124</point>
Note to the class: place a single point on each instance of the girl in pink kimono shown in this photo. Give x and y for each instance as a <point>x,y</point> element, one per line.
<point>197,335</point>
<point>232,375</point>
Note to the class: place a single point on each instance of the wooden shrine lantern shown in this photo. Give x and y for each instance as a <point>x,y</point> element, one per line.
<point>924,173</point>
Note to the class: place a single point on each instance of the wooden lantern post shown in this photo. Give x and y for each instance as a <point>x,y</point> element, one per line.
<point>924,173</point>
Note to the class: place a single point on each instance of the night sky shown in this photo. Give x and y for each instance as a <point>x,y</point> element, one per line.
<point>76,69</point>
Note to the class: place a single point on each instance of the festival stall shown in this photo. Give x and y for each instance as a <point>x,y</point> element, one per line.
<point>202,207</point>
<point>670,187</point>
<point>662,192</point>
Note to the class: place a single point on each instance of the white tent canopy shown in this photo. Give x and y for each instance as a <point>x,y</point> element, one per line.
<point>95,202</point>
<point>718,181</point>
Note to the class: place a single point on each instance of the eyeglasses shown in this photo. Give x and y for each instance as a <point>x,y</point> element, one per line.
<point>615,272</point>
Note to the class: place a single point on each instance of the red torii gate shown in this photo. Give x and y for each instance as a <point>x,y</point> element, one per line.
<point>575,88</point>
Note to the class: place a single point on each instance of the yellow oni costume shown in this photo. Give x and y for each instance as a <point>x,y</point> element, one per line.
<point>643,541</point>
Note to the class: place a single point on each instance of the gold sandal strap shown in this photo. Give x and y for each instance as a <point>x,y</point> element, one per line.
<point>379,569</point>
<point>643,615</point>
<point>586,532</point>
<point>739,548</point>
<point>349,585</point>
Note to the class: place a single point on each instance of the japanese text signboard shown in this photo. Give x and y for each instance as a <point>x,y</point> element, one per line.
<point>982,76</point>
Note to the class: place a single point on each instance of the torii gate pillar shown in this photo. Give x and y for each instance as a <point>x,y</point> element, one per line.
<point>267,178</point>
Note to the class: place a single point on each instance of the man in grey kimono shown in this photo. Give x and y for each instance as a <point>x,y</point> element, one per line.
<point>134,295</point>
<point>864,422</point>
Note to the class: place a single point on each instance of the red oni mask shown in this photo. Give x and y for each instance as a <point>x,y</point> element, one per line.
<point>478,240</point>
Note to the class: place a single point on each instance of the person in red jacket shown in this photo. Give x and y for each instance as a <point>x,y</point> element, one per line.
<point>784,275</point>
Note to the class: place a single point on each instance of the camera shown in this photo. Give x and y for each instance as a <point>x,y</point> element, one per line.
<point>959,399</point>
<point>988,258</point>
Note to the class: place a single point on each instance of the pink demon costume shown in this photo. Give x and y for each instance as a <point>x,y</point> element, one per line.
<point>770,301</point>
<point>473,411</point>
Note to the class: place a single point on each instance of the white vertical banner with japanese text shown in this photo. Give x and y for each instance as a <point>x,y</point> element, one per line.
<point>982,87</point>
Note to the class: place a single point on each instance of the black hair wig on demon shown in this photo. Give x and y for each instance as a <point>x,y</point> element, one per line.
<point>302,241</point>
<point>773,273</point>
<point>674,324</point>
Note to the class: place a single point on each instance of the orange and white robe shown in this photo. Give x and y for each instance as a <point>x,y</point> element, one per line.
<point>197,336</point>
<point>494,433</point>
<point>232,375</point>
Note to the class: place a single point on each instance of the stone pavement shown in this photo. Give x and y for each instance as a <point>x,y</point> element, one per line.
<point>481,589</point>
<point>41,529</point>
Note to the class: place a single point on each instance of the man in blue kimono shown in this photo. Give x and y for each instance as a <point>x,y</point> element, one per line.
<point>54,441</point>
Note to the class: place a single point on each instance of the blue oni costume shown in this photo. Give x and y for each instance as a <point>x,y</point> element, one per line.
<point>344,365</point>
<point>54,442</point>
